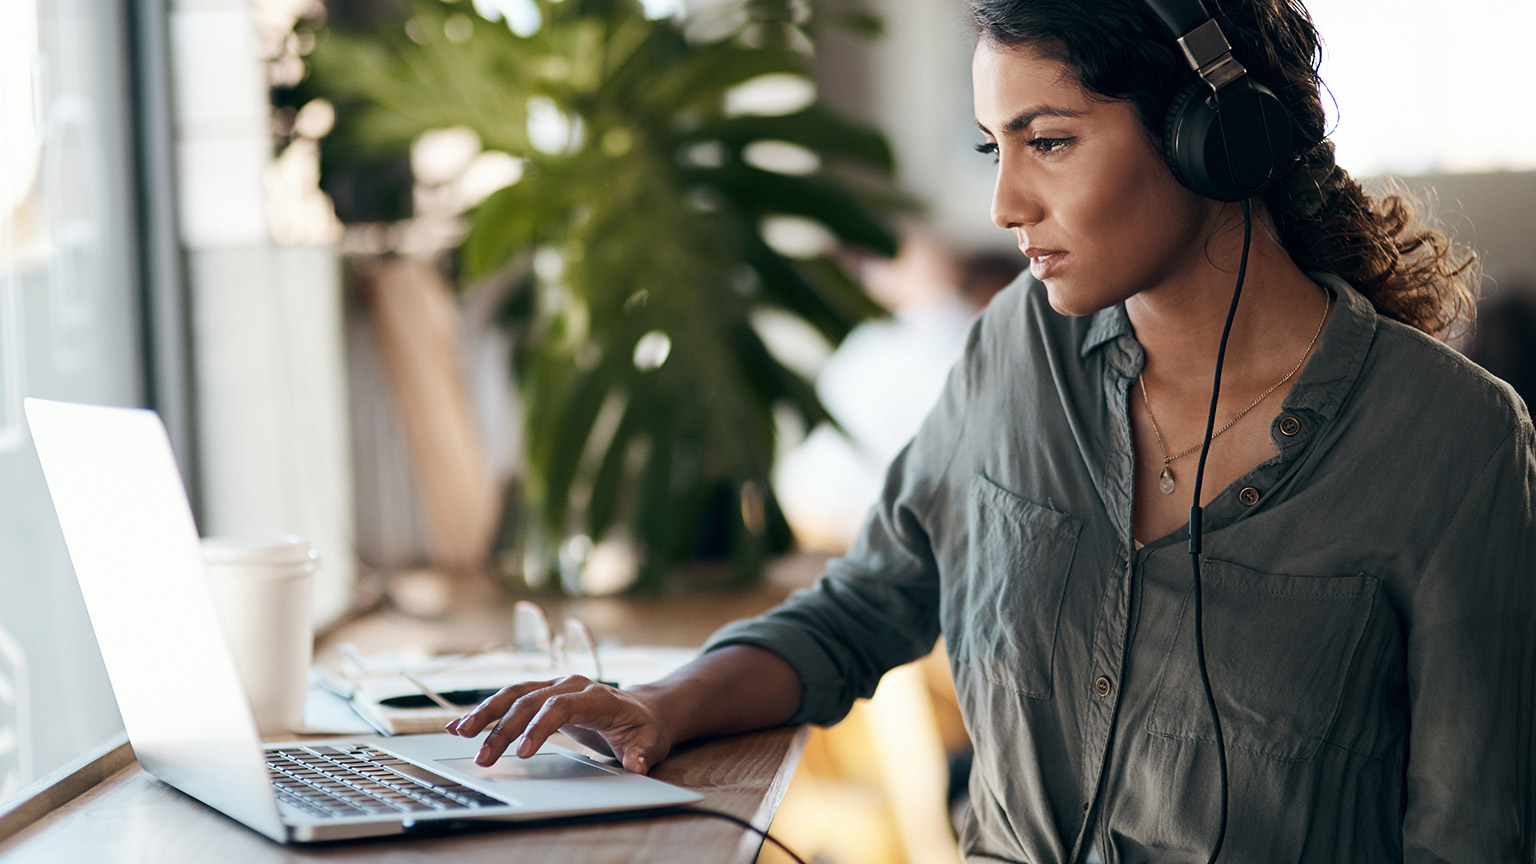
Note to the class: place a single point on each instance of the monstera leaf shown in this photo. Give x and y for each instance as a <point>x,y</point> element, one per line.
<point>650,394</point>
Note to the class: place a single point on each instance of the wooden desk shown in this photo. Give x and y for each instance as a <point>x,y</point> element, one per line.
<point>131,817</point>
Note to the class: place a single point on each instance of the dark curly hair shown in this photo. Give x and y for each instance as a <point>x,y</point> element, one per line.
<point>1119,49</point>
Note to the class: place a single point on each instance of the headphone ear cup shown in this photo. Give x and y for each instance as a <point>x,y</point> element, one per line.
<point>1230,152</point>
<point>1178,143</point>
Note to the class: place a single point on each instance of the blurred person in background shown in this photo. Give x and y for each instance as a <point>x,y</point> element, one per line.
<point>881,382</point>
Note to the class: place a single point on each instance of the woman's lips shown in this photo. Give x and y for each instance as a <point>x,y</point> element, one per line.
<point>1044,262</point>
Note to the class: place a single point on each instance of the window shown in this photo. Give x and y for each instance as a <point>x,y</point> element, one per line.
<point>69,329</point>
<point>1428,88</point>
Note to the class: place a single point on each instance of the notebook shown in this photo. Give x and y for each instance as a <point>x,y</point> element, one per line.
<point>387,690</point>
<point>134,545</point>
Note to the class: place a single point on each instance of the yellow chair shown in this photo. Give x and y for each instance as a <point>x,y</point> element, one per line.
<point>873,788</point>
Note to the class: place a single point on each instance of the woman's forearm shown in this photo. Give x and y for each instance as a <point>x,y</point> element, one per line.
<point>732,689</point>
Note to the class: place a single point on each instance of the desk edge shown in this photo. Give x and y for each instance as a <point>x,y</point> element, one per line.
<point>64,785</point>
<point>751,843</point>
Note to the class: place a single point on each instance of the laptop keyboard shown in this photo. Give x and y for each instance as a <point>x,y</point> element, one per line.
<point>357,780</point>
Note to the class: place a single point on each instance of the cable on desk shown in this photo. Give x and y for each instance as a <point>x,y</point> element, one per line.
<point>620,816</point>
<point>737,820</point>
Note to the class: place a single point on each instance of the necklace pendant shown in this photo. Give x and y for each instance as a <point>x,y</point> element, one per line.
<point>1165,481</point>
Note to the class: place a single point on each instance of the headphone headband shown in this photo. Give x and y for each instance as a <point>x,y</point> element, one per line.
<point>1200,38</point>
<point>1210,55</point>
<point>1181,16</point>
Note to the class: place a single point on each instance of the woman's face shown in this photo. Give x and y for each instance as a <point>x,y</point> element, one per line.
<point>1078,182</point>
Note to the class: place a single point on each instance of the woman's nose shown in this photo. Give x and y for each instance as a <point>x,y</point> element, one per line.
<point>1014,202</point>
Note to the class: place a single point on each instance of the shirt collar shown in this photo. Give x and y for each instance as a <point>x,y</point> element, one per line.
<point>1334,368</point>
<point>1324,381</point>
<point>1107,324</point>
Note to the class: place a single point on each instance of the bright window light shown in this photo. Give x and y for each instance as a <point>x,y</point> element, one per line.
<point>1426,87</point>
<point>20,146</point>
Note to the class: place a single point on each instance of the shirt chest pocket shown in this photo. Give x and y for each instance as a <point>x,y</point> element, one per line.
<point>1016,571</point>
<point>1279,649</point>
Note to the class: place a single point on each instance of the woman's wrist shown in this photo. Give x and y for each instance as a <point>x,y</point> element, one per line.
<point>670,707</point>
<point>681,701</point>
<point>732,689</point>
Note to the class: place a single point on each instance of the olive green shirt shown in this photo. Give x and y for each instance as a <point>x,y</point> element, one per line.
<point>1370,618</point>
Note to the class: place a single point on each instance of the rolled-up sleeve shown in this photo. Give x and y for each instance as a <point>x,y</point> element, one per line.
<point>1471,652</point>
<point>878,606</point>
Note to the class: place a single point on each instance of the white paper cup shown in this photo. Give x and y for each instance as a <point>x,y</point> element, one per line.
<point>261,587</point>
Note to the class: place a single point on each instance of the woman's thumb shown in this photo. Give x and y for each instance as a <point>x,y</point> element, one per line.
<point>635,761</point>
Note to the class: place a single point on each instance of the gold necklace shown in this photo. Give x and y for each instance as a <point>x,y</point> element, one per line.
<point>1165,480</point>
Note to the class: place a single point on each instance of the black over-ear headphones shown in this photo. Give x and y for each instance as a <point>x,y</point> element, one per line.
<point>1226,136</point>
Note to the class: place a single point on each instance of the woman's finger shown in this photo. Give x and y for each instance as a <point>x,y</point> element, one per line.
<point>606,719</point>
<point>523,709</point>
<point>493,709</point>
<point>590,708</point>
<point>635,761</point>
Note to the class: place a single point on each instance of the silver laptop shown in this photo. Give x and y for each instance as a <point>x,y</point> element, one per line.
<point>135,550</point>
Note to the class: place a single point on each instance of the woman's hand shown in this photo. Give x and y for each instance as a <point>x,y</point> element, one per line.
<point>728,690</point>
<point>623,722</point>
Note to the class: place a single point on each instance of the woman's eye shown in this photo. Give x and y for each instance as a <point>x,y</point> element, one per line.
<point>1042,146</point>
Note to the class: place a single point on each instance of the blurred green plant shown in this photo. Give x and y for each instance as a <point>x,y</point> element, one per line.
<point>638,238</point>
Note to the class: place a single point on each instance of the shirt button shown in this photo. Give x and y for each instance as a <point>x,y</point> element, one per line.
<point>1102,686</point>
<point>1249,496</point>
<point>1289,426</point>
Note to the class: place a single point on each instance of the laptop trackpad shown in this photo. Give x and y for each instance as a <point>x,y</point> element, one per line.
<point>540,766</point>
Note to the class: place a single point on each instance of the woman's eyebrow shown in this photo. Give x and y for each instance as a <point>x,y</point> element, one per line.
<point>1021,121</point>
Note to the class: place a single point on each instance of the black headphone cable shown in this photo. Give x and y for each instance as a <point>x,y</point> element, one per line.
<point>1196,528</point>
<point>620,816</point>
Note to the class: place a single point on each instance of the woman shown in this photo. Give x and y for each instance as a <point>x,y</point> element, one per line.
<point>1370,506</point>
